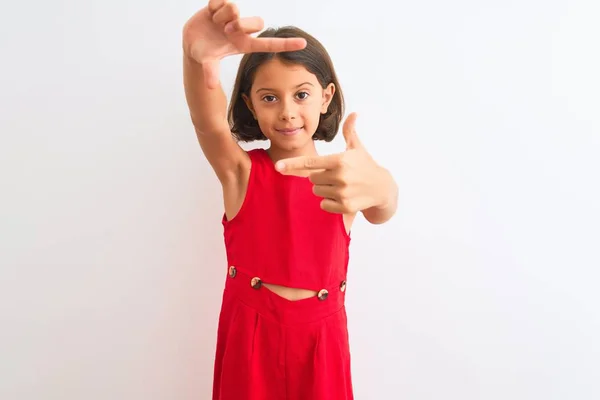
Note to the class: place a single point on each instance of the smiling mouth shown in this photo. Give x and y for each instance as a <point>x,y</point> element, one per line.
<point>289,131</point>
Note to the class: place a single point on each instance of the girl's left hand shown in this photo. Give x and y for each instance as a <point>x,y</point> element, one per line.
<point>350,181</point>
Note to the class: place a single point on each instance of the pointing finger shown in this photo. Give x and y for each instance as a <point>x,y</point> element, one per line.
<point>274,45</point>
<point>308,163</point>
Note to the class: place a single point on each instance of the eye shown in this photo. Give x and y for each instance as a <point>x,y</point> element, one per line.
<point>269,98</point>
<point>303,95</point>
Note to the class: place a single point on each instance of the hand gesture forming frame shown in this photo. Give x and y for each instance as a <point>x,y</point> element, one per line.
<point>217,31</point>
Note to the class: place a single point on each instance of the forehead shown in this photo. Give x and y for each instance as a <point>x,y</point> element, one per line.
<point>279,75</point>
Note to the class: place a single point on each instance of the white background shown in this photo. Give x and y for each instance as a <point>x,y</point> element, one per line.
<point>483,286</point>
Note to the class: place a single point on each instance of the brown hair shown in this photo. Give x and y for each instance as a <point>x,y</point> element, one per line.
<point>313,57</point>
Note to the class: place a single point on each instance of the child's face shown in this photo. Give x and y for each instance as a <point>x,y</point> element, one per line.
<point>287,100</point>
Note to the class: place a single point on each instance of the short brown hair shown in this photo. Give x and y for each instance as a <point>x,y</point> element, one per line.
<point>313,57</point>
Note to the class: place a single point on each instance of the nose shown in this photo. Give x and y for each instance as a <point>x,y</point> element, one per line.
<point>288,110</point>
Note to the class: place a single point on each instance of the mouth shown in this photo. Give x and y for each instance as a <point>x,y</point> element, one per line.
<point>289,131</point>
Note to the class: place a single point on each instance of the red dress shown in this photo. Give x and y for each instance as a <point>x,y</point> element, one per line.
<point>268,347</point>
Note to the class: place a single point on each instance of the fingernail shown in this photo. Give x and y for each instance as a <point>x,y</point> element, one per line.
<point>279,166</point>
<point>229,28</point>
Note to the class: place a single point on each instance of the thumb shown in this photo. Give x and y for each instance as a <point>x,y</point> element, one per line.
<point>349,130</point>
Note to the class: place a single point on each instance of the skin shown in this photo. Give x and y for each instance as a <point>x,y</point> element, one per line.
<point>287,101</point>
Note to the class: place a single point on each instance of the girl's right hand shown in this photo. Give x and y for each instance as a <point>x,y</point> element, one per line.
<point>217,31</point>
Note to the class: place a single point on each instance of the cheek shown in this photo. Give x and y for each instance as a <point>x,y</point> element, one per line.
<point>266,118</point>
<point>265,114</point>
<point>311,114</point>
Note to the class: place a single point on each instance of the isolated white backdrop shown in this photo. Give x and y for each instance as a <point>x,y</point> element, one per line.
<point>483,286</point>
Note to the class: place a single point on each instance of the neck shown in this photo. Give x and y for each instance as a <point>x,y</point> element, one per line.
<point>277,153</point>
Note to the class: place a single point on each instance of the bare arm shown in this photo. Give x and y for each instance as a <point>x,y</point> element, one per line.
<point>205,43</point>
<point>208,111</point>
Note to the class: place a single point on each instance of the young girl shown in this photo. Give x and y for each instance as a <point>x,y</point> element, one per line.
<point>288,211</point>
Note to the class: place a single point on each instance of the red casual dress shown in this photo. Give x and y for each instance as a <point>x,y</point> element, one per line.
<point>268,347</point>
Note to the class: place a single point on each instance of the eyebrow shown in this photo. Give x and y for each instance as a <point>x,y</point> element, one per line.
<point>297,86</point>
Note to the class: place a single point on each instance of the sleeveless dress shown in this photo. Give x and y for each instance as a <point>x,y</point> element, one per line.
<point>269,347</point>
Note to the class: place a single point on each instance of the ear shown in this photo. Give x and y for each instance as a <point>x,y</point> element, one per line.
<point>328,93</point>
<point>249,104</point>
